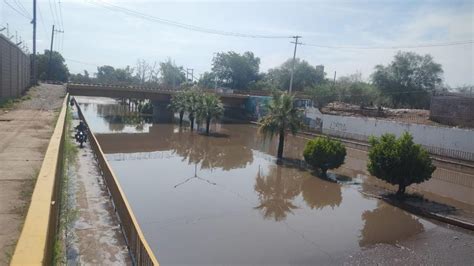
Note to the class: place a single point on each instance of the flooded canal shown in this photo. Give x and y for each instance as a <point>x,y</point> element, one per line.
<point>223,199</point>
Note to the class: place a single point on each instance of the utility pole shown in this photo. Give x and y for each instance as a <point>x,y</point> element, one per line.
<point>334,82</point>
<point>33,58</point>
<point>293,65</point>
<point>51,50</point>
<point>190,71</point>
<point>50,53</point>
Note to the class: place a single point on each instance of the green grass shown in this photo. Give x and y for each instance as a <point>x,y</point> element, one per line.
<point>9,103</point>
<point>67,214</point>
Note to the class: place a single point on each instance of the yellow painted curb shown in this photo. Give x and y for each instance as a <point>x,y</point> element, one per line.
<point>36,240</point>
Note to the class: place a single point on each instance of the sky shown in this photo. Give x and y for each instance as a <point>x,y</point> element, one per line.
<point>94,35</point>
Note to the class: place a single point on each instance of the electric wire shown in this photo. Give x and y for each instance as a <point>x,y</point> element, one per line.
<point>454,43</point>
<point>16,10</point>
<point>22,8</point>
<point>137,14</point>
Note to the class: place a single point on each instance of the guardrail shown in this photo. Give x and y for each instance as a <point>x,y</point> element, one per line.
<point>35,245</point>
<point>138,247</point>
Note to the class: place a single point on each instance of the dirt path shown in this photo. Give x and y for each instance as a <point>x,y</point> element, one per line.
<point>93,237</point>
<point>25,131</point>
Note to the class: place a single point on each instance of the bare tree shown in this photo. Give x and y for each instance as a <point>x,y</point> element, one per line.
<point>142,69</point>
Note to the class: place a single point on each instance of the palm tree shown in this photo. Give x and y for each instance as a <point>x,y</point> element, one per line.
<point>210,107</point>
<point>192,106</point>
<point>178,104</point>
<point>282,116</point>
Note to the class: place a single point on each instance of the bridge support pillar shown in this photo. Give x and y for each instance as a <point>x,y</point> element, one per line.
<point>161,112</point>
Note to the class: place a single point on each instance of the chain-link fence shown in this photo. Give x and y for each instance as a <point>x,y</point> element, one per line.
<point>14,69</point>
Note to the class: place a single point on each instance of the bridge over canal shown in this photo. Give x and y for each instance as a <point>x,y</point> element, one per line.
<point>160,97</point>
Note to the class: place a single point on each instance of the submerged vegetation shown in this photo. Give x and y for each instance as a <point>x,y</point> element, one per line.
<point>399,161</point>
<point>200,106</point>
<point>282,116</point>
<point>324,153</point>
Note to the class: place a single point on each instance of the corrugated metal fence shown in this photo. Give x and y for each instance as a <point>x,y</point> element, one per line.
<point>14,69</point>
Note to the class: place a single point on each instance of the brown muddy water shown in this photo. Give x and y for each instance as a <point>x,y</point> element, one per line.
<point>223,199</point>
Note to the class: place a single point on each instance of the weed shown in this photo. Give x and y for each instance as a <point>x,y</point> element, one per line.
<point>67,214</point>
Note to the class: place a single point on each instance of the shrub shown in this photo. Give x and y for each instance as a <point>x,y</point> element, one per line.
<point>324,153</point>
<point>399,161</point>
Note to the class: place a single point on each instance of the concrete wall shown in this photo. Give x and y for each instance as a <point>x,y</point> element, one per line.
<point>14,69</point>
<point>453,110</point>
<point>445,141</point>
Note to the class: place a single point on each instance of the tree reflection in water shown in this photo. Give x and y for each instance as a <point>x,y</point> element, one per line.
<point>318,193</point>
<point>210,152</point>
<point>119,116</point>
<point>387,224</point>
<point>278,189</point>
<point>276,193</point>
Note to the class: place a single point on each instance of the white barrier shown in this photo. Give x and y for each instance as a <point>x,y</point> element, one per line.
<point>446,141</point>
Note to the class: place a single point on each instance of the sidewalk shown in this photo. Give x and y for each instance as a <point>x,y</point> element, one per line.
<point>25,131</point>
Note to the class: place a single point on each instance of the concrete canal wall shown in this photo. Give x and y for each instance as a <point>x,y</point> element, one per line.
<point>445,141</point>
<point>138,246</point>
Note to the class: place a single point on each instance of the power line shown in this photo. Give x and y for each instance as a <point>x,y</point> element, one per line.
<point>16,10</point>
<point>137,14</point>
<point>81,62</point>
<point>42,20</point>
<point>57,14</point>
<point>61,40</point>
<point>391,47</point>
<point>52,13</point>
<point>22,8</point>
<point>61,15</point>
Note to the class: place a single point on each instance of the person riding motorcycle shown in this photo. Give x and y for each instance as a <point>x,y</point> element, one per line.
<point>81,129</point>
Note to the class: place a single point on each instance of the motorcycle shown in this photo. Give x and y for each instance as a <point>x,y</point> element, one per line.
<point>81,137</point>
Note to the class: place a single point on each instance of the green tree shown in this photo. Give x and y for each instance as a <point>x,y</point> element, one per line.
<point>322,94</point>
<point>179,104</point>
<point>282,116</point>
<point>58,70</point>
<point>234,70</point>
<point>80,78</point>
<point>210,107</point>
<point>351,89</point>
<point>111,75</point>
<point>171,75</point>
<point>408,79</point>
<point>399,161</point>
<point>305,75</point>
<point>324,153</point>
<point>192,106</point>
<point>207,80</point>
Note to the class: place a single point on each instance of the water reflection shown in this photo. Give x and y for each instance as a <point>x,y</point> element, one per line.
<point>318,194</point>
<point>388,224</point>
<point>276,192</point>
<point>120,116</point>
<point>210,152</point>
<point>278,189</point>
<point>228,190</point>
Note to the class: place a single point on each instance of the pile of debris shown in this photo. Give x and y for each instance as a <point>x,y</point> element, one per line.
<point>341,108</point>
<point>418,116</point>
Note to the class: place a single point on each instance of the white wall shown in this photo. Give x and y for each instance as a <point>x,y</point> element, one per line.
<point>452,142</point>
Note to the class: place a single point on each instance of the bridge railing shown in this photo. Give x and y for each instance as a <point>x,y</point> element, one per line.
<point>138,246</point>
